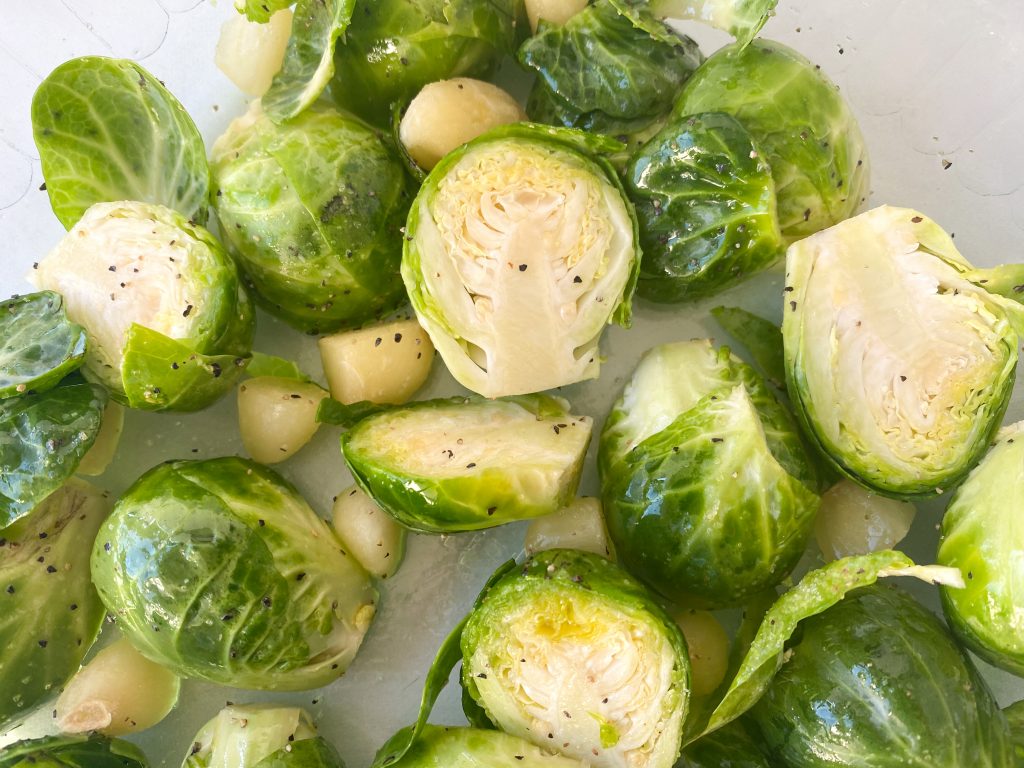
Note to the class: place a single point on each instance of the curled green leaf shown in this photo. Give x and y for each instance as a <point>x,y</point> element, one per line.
<point>39,346</point>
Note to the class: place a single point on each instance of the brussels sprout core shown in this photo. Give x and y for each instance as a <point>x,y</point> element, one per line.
<point>521,250</point>
<point>899,365</point>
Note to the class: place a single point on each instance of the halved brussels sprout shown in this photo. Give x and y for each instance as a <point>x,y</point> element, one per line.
<point>312,211</point>
<point>72,752</point>
<point>898,365</point>
<point>796,115</point>
<point>170,326</point>
<point>981,536</point>
<point>519,249</point>
<point>695,455</point>
<point>569,652</point>
<point>40,346</point>
<point>395,47</point>
<point>50,613</point>
<point>220,570</point>
<point>440,747</point>
<point>877,680</point>
<point>441,466</point>
<point>261,736</point>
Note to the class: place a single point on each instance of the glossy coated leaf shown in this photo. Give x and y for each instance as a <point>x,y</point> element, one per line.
<point>742,19</point>
<point>269,365</point>
<point>705,200</point>
<point>40,346</point>
<point>347,415</point>
<point>260,11</point>
<point>107,130</point>
<point>762,339</point>
<point>729,747</point>
<point>50,613</point>
<point>809,135</point>
<point>72,752</point>
<point>309,60</point>
<point>611,76</point>
<point>878,681</point>
<point>42,439</point>
<point>448,747</point>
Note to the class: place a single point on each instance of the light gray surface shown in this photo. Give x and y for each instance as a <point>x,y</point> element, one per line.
<point>932,81</point>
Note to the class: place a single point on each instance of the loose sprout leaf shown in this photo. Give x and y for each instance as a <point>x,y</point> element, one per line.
<point>816,592</point>
<point>107,130</point>
<point>269,365</point>
<point>40,346</point>
<point>309,61</point>
<point>161,373</point>
<point>330,411</point>
<point>705,199</point>
<point>742,19</point>
<point>51,612</point>
<point>260,11</point>
<point>92,751</point>
<point>42,439</point>
<point>316,752</point>
<point>603,73</point>
<point>762,339</point>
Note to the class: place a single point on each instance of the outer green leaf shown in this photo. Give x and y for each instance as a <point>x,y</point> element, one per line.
<point>441,747</point>
<point>42,439</point>
<point>347,415</point>
<point>705,200</point>
<point>40,346</point>
<point>107,130</point>
<point>220,570</point>
<point>608,75</point>
<point>878,681</point>
<point>308,753</point>
<point>73,752</point>
<point>807,132</point>
<point>309,60</point>
<point>729,747</point>
<point>464,464</point>
<point>260,11</point>
<point>50,613</point>
<point>269,365</point>
<point>762,339</point>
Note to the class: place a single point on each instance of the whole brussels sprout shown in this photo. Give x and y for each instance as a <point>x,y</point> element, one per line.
<point>899,362</point>
<point>72,752</point>
<point>796,115</point>
<point>261,736</point>
<point>220,570</point>
<point>981,536</point>
<point>312,209</point>
<point>169,323</point>
<point>568,652</point>
<point>395,47</point>
<point>877,680</point>
<point>696,454</point>
<point>520,248</point>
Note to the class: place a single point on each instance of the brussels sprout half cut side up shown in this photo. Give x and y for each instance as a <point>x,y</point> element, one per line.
<point>72,752</point>
<point>519,249</point>
<point>312,210</point>
<point>50,613</point>
<point>219,570</point>
<point>696,455</point>
<point>569,652</point>
<point>261,736</point>
<point>897,365</point>
<point>169,324</point>
<point>463,464</point>
<point>981,536</point>
<point>796,115</point>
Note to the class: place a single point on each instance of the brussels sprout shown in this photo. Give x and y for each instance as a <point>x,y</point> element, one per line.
<point>705,200</point>
<point>696,453</point>
<point>170,326</point>
<point>463,464</point>
<point>395,47</point>
<point>742,19</point>
<point>601,72</point>
<point>261,736</point>
<point>981,536</point>
<point>439,747</point>
<point>572,654</point>
<point>107,130</point>
<point>50,613</point>
<point>730,747</point>
<point>898,366</point>
<point>878,680</point>
<point>72,752</point>
<point>807,132</point>
<point>312,211</point>
<point>220,570</point>
<point>40,346</point>
<point>519,250</point>
<point>42,440</point>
